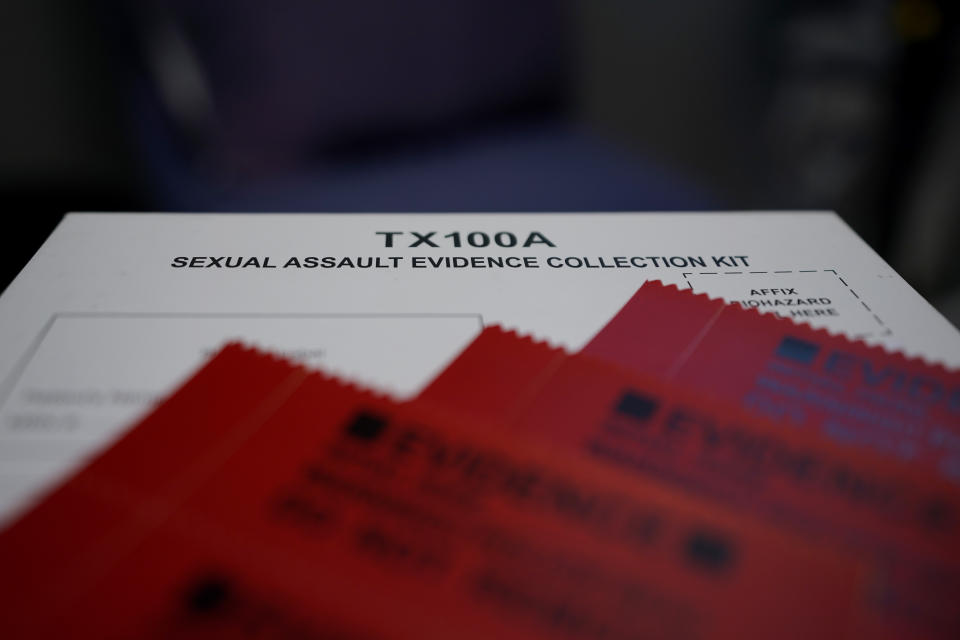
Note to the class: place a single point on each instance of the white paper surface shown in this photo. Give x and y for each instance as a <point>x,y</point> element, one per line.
<point>101,323</point>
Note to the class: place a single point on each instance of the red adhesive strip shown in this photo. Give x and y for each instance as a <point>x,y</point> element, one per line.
<point>904,520</point>
<point>333,512</point>
<point>901,518</point>
<point>493,376</point>
<point>166,445</point>
<point>862,396</point>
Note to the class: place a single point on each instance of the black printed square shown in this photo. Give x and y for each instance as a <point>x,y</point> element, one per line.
<point>710,551</point>
<point>366,426</point>
<point>637,406</point>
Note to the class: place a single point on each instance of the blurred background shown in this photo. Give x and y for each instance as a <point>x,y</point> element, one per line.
<point>476,105</point>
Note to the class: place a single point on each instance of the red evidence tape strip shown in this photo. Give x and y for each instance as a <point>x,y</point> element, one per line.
<point>493,376</point>
<point>901,518</point>
<point>858,395</point>
<point>320,509</point>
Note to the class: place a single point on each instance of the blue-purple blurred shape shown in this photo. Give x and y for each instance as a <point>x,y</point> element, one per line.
<point>426,105</point>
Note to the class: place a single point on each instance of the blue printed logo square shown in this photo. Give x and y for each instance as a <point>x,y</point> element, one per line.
<point>797,350</point>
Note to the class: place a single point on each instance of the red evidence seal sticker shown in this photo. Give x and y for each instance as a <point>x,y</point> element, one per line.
<point>857,395</point>
<point>319,509</point>
<point>901,518</point>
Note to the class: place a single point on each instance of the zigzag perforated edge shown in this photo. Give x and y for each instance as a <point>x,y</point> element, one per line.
<point>527,339</point>
<point>258,355</point>
<point>878,350</point>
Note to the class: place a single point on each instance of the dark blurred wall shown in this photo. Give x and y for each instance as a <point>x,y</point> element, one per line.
<point>62,139</point>
<point>775,104</point>
<point>677,80</point>
<point>59,115</point>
